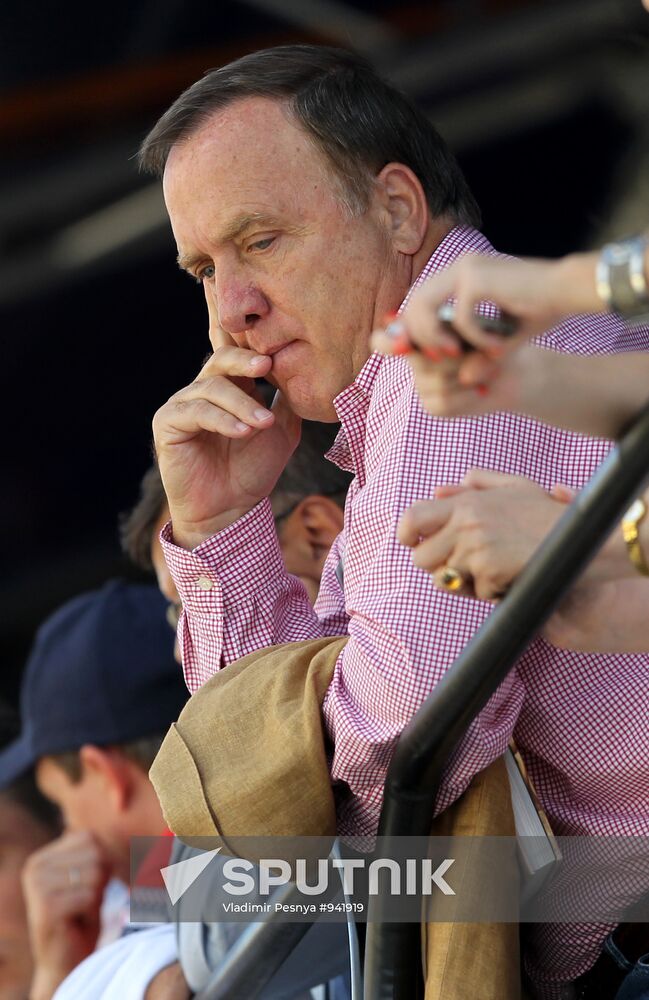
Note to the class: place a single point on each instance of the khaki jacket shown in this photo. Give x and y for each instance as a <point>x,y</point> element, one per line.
<point>248,757</point>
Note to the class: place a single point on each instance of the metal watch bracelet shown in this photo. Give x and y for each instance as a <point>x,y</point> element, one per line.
<point>621,281</point>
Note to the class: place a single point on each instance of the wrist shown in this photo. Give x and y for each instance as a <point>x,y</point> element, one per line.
<point>576,286</point>
<point>190,534</point>
<point>613,561</point>
<point>621,275</point>
<point>541,377</point>
<point>632,523</point>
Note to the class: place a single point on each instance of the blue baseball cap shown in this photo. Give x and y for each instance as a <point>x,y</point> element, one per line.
<point>101,671</point>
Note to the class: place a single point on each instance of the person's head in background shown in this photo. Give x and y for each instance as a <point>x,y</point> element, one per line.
<point>139,531</point>
<point>27,821</point>
<point>307,503</point>
<point>99,692</point>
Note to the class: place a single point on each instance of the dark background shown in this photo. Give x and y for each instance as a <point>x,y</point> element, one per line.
<point>545,103</point>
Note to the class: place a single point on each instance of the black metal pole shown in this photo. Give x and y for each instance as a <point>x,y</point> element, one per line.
<point>392,956</point>
<point>254,958</point>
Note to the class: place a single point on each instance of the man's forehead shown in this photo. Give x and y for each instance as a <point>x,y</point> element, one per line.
<point>249,163</point>
<point>254,127</point>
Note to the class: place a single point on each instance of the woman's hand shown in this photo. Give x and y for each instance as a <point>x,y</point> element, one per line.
<point>486,529</point>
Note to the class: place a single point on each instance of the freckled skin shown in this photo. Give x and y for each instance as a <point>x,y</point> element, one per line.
<point>325,281</point>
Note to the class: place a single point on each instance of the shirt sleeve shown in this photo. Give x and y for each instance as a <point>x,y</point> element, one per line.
<point>237,596</point>
<point>381,679</point>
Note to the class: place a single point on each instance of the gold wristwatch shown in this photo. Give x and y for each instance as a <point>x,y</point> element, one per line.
<point>630,529</point>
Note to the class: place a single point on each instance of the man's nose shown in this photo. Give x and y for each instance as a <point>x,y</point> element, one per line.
<point>240,305</point>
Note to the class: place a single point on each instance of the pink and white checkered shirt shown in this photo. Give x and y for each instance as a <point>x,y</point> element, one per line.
<point>580,720</point>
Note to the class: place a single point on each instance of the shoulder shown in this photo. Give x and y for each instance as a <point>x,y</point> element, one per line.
<point>603,333</point>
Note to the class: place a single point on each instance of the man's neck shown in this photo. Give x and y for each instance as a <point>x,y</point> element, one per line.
<point>437,231</point>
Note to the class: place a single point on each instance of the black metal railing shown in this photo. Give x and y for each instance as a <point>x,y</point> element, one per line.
<point>392,956</point>
<point>254,958</point>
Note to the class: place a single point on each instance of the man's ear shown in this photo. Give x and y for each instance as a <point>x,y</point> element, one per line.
<point>306,536</point>
<point>321,520</point>
<point>109,770</point>
<point>404,200</point>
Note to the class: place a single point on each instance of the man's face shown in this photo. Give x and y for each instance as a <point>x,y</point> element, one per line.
<point>84,805</point>
<point>20,835</point>
<point>257,217</point>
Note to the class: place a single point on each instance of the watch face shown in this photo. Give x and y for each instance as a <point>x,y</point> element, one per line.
<point>636,510</point>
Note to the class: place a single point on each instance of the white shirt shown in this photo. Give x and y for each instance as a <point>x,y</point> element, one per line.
<point>124,969</point>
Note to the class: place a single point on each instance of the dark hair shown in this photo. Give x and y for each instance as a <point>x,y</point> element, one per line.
<point>24,792</point>
<point>359,121</point>
<point>136,527</point>
<point>141,752</point>
<point>309,472</point>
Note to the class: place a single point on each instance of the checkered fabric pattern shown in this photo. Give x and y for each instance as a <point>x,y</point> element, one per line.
<point>580,721</point>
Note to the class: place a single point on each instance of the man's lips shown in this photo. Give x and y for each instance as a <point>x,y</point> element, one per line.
<point>285,357</point>
<point>272,351</point>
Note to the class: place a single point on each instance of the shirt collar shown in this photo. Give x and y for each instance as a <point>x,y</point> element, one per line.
<point>352,403</point>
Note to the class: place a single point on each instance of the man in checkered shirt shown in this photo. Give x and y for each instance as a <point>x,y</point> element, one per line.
<point>309,198</point>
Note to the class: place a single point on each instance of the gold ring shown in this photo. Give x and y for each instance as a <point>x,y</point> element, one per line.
<point>449,579</point>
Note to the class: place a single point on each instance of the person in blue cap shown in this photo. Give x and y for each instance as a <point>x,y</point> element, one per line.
<point>100,689</point>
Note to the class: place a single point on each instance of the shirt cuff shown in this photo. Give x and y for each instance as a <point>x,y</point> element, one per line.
<point>229,568</point>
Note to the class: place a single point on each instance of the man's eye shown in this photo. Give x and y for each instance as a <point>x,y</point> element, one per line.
<point>206,273</point>
<point>262,244</point>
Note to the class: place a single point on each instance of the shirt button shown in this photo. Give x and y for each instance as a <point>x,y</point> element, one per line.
<point>205,583</point>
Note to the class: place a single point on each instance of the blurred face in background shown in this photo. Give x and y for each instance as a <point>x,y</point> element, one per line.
<point>165,580</point>
<point>306,531</point>
<point>104,801</point>
<point>20,835</point>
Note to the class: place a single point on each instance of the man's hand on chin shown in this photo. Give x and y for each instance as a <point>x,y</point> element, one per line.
<point>63,884</point>
<point>220,451</point>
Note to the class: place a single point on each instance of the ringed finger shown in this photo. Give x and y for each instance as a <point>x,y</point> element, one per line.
<point>454,579</point>
<point>434,552</point>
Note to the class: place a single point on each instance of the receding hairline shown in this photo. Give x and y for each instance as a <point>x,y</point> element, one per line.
<point>207,135</point>
<point>331,171</point>
<point>358,120</point>
<point>208,116</point>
